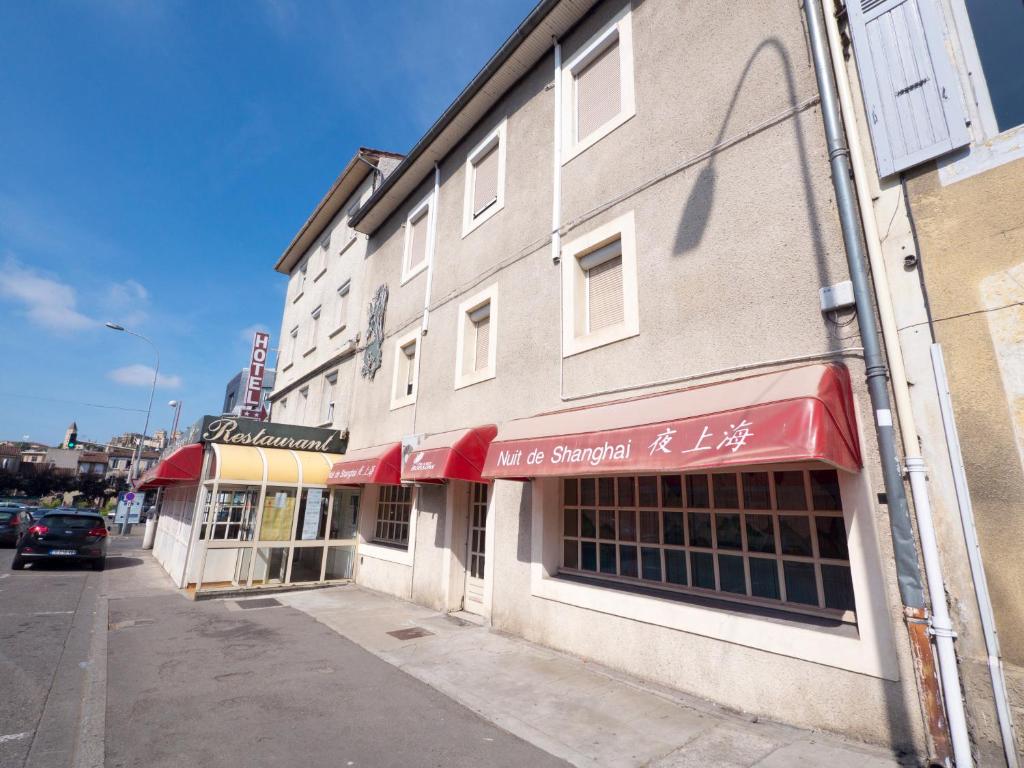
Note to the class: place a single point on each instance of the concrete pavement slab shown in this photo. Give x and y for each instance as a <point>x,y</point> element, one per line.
<point>581,712</point>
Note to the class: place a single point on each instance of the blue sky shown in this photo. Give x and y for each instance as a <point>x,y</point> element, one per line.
<point>157,158</point>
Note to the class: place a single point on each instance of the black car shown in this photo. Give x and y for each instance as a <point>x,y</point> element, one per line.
<point>70,536</point>
<point>13,524</point>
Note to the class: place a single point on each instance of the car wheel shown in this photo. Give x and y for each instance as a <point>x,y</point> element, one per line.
<point>99,565</point>
<point>17,564</point>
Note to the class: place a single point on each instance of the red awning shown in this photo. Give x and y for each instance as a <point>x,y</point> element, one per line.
<point>182,466</point>
<point>457,455</point>
<point>801,414</point>
<point>381,465</point>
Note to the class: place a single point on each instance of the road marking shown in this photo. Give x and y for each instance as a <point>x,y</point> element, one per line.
<point>15,736</point>
<point>40,613</point>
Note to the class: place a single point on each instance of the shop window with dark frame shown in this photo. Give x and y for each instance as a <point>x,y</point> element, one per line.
<point>771,537</point>
<point>230,514</point>
<point>394,509</point>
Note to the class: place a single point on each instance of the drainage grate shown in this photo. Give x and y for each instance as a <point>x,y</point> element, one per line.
<point>410,634</point>
<point>259,602</point>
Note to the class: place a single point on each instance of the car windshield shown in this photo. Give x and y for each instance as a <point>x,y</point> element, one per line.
<point>74,522</point>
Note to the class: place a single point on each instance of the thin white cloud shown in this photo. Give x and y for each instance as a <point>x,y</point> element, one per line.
<point>140,375</point>
<point>45,301</point>
<point>248,332</point>
<point>127,302</point>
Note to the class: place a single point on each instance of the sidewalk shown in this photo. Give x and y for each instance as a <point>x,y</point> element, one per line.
<point>583,713</point>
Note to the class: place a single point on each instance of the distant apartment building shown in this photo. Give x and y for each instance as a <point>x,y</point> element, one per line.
<point>10,458</point>
<point>234,392</point>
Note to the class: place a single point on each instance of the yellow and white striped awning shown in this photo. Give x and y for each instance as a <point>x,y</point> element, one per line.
<point>270,466</point>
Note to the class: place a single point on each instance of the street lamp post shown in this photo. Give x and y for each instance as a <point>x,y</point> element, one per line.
<point>176,405</point>
<point>137,461</point>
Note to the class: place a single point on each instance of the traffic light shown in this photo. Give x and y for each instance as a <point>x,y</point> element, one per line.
<point>72,440</point>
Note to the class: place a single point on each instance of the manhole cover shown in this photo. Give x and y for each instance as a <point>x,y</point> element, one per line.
<point>259,602</point>
<point>410,634</point>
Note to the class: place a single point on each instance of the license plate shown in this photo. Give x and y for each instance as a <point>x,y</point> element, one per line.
<point>63,552</point>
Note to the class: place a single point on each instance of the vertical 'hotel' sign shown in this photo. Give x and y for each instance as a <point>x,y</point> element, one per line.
<point>252,405</point>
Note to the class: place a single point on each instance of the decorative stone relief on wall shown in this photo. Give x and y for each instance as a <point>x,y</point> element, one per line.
<point>374,350</point>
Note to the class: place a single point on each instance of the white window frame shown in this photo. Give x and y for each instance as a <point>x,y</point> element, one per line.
<point>343,305</point>
<point>303,405</point>
<point>401,342</point>
<point>328,398</point>
<point>989,147</point>
<point>497,137</point>
<point>464,377</point>
<point>422,209</point>
<point>293,344</point>
<point>282,406</point>
<point>300,281</point>
<point>367,526</point>
<point>314,327</point>
<point>619,28</point>
<point>870,651</point>
<point>575,338</point>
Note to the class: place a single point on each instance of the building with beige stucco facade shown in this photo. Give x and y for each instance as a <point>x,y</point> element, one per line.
<point>593,395</point>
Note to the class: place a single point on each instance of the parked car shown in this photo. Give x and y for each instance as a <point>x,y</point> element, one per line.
<point>64,535</point>
<point>14,522</point>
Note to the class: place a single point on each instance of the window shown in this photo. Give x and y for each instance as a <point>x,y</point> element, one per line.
<point>300,416</point>
<point>394,507</point>
<point>998,28</point>
<point>314,325</point>
<point>300,281</point>
<point>597,87</point>
<point>281,410</point>
<point>230,514</point>
<point>485,179</point>
<point>404,385</point>
<point>417,236</point>
<point>771,537</point>
<point>602,271</point>
<point>341,315</point>
<point>476,353</point>
<point>293,343</point>
<point>327,401</point>
<point>599,287</point>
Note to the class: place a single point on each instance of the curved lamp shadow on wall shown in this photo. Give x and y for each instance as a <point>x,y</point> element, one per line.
<point>692,227</point>
<point>701,200</point>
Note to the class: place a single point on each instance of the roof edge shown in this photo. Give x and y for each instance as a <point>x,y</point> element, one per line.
<point>500,57</point>
<point>360,164</point>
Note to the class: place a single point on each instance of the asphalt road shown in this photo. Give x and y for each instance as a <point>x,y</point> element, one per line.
<point>208,684</point>
<point>42,612</point>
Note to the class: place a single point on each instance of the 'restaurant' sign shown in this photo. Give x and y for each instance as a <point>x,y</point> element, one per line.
<point>252,405</point>
<point>237,431</point>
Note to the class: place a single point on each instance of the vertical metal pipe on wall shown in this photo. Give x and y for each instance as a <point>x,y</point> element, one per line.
<point>988,624</point>
<point>905,551</point>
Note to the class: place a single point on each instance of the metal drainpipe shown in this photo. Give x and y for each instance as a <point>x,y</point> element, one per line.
<point>904,549</point>
<point>941,625</point>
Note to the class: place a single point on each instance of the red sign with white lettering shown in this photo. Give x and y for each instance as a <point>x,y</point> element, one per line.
<point>252,405</point>
<point>794,430</point>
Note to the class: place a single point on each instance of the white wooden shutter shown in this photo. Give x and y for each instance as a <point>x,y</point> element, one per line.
<point>913,101</point>
<point>418,240</point>
<point>482,346</point>
<point>410,366</point>
<point>598,91</point>
<point>604,294</point>
<point>485,180</point>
